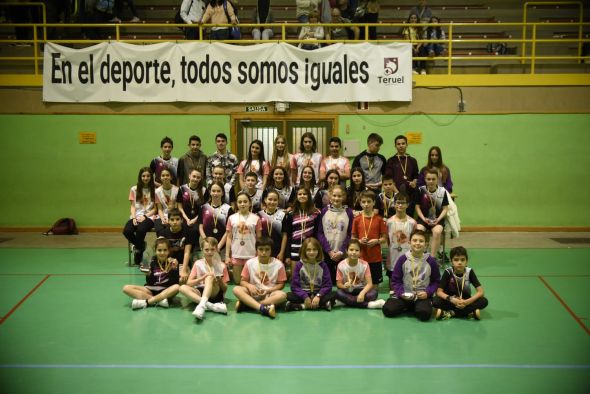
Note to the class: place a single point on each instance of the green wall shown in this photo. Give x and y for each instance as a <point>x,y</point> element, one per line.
<point>52,175</point>
<point>509,170</point>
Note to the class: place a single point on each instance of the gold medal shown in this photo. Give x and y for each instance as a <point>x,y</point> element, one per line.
<point>242,243</point>
<point>215,231</point>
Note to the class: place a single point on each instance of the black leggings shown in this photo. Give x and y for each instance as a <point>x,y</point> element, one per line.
<point>291,297</point>
<point>395,306</point>
<point>135,234</point>
<point>480,303</point>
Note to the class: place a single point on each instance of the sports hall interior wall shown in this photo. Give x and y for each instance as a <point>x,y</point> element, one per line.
<point>516,155</point>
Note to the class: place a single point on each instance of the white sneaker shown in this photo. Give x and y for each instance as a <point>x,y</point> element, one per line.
<point>163,303</point>
<point>377,304</point>
<point>414,72</point>
<point>199,312</point>
<point>423,72</point>
<point>115,20</point>
<point>219,307</point>
<point>138,304</point>
<point>339,303</point>
<point>135,20</point>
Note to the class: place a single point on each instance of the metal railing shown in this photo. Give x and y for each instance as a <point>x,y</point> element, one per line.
<point>454,41</point>
<point>525,9</point>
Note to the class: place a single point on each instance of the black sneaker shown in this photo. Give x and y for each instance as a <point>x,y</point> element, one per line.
<point>238,306</point>
<point>137,255</point>
<point>292,306</point>
<point>268,310</point>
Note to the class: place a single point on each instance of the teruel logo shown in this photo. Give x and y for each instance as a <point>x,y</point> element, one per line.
<point>390,67</point>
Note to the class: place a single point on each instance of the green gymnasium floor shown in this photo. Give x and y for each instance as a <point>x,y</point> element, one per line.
<point>65,327</point>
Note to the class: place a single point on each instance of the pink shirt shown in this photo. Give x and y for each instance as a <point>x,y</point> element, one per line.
<point>201,268</point>
<point>340,164</point>
<point>255,167</point>
<point>264,276</point>
<point>243,231</point>
<point>358,275</point>
<point>145,205</point>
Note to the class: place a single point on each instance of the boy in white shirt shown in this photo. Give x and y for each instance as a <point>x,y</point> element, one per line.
<point>263,278</point>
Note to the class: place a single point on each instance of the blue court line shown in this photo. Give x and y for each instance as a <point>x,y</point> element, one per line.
<point>290,367</point>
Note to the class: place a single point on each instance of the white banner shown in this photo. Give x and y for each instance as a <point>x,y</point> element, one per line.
<point>217,72</point>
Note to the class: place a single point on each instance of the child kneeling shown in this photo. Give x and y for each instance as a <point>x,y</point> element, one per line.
<point>453,296</point>
<point>161,282</point>
<point>311,285</point>
<point>207,281</point>
<point>263,278</point>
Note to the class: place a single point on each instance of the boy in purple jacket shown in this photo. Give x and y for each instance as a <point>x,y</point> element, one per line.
<point>414,280</point>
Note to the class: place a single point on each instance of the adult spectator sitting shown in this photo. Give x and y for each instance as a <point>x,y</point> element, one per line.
<point>422,10</point>
<point>434,32</point>
<point>413,33</point>
<point>216,15</point>
<point>262,14</point>
<point>347,8</point>
<point>342,33</point>
<point>191,12</point>
<point>311,33</point>
<point>119,11</point>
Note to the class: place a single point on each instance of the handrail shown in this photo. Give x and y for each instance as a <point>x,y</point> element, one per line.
<point>34,4</point>
<point>451,41</point>
<point>556,3</point>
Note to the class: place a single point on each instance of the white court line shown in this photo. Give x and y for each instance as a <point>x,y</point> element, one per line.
<point>290,367</point>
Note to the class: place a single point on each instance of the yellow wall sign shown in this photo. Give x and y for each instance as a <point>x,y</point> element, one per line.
<point>87,137</point>
<point>414,137</point>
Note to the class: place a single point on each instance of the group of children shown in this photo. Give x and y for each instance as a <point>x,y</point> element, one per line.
<point>274,229</point>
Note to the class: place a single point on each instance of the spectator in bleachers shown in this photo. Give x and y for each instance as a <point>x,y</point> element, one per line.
<point>415,33</point>
<point>434,32</point>
<point>422,10</point>
<point>347,8</point>
<point>216,14</point>
<point>304,8</point>
<point>191,12</point>
<point>262,14</point>
<point>371,15</point>
<point>118,11</point>
<point>311,34</point>
<point>342,33</point>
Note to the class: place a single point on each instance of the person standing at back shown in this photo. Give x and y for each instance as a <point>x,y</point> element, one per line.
<point>194,159</point>
<point>403,168</point>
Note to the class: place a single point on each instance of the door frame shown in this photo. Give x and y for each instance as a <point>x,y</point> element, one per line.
<point>237,118</point>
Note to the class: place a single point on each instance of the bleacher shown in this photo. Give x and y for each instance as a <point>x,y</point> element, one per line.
<point>472,20</point>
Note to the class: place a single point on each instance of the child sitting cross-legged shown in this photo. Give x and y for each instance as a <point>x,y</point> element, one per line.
<point>353,279</point>
<point>207,281</point>
<point>311,285</point>
<point>161,282</point>
<point>453,296</point>
<point>262,281</point>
